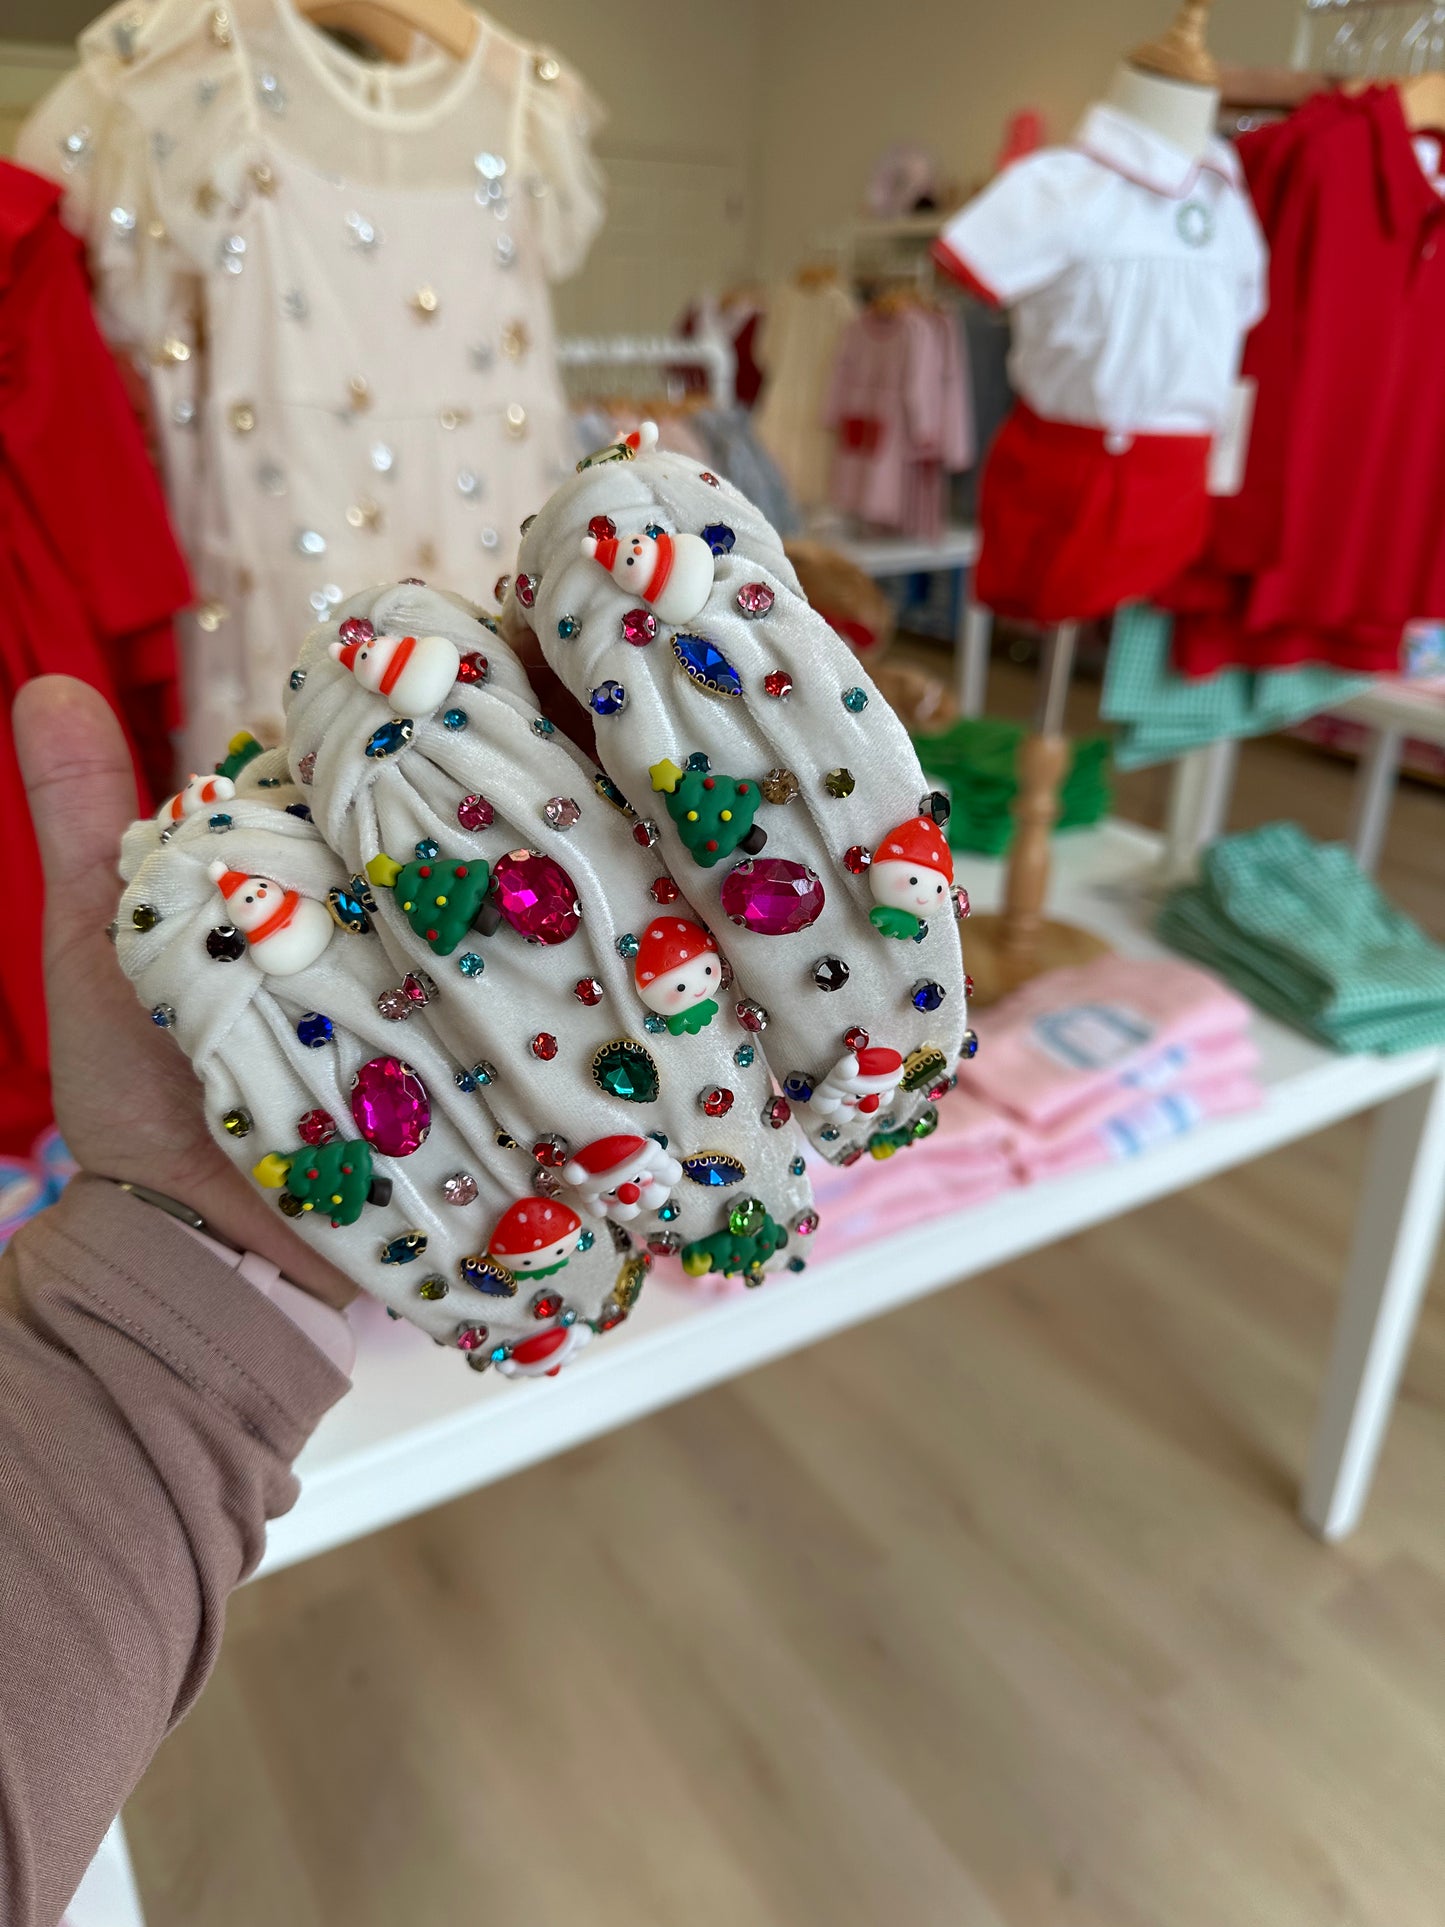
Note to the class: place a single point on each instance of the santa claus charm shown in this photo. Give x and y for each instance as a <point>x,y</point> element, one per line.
<point>286,931</point>
<point>678,971</point>
<point>621,1177</point>
<point>673,574</point>
<point>545,1353</point>
<point>911,876</point>
<point>535,1237</point>
<point>414,673</point>
<point>859,1083</point>
<point>202,792</point>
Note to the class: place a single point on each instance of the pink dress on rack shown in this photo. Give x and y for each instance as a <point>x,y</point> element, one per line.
<point>896,407</point>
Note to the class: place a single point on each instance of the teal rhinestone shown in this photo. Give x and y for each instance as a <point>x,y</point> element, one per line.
<point>586,1241</point>
<point>653,1024</point>
<point>855,700</point>
<point>744,1056</point>
<point>454,718</point>
<point>427,851</point>
<point>797,1167</point>
<point>627,945</point>
<point>568,627</point>
<point>541,727</point>
<point>470,964</point>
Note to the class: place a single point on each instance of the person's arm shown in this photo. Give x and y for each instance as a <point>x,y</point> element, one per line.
<point>151,1403</point>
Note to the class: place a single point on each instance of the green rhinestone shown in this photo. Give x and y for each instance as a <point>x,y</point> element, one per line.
<point>746,1217</point>
<point>237,1123</point>
<point>145,916</point>
<point>433,1288</point>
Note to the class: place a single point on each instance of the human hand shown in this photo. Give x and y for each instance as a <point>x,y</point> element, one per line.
<point>126,1100</point>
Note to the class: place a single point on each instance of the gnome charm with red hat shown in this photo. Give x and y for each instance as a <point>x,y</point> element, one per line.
<point>679,973</point>
<point>535,1237</point>
<point>621,1177</point>
<point>911,878</point>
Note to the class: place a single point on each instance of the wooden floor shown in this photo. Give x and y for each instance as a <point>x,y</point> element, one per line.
<point>993,1612</point>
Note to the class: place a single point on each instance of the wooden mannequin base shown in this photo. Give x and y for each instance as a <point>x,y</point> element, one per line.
<point>1059,945</point>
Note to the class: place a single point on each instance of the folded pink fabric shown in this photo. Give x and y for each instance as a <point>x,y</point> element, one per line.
<point>1135,1128</point>
<point>1053,1049</point>
<point>1210,1062</point>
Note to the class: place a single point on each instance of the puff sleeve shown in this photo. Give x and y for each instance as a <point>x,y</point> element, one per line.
<point>558,117</point>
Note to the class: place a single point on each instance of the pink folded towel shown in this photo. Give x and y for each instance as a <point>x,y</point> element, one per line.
<point>1135,1127</point>
<point>1053,1049</point>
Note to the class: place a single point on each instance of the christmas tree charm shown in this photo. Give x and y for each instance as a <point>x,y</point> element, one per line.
<point>672,573</point>
<point>621,1177</point>
<point>859,1082</point>
<point>286,931</point>
<point>734,1254</point>
<point>535,1237</point>
<point>678,973</point>
<point>911,875</point>
<point>202,792</point>
<point>442,899</point>
<point>242,749</point>
<point>334,1178</point>
<point>414,673</point>
<point>713,813</point>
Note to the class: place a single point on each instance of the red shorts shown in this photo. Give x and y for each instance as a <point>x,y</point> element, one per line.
<point>1074,523</point>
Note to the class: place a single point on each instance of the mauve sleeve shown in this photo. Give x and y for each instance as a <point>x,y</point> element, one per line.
<point>151,1404</point>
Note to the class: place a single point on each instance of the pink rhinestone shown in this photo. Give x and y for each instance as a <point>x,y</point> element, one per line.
<point>459,1188</point>
<point>751,1015</point>
<point>356,629</point>
<point>961,906</point>
<point>391,1107</point>
<point>602,528</point>
<point>394,1005</point>
<point>471,1338</point>
<point>306,767</point>
<point>561,812</point>
<point>806,1224</point>
<point>778,683</point>
<point>587,991</point>
<point>544,1045</point>
<point>855,1039</point>
<point>317,1127</point>
<point>856,859</point>
<point>755,599</point>
<point>536,896</point>
<point>525,587</point>
<point>473,667</point>
<point>777,1112</point>
<point>772,895</point>
<point>639,626</point>
<point>475,813</point>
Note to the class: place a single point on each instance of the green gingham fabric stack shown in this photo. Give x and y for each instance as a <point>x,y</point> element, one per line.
<point>976,759</point>
<point>1299,929</point>
<point>1161,714</point>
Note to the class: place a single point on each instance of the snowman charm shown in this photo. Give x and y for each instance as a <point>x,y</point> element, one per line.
<point>414,673</point>
<point>911,876</point>
<point>859,1083</point>
<point>678,973</point>
<point>286,931</point>
<point>535,1237</point>
<point>621,1177</point>
<point>199,794</point>
<point>672,573</point>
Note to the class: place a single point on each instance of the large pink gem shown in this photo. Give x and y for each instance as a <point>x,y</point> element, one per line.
<point>772,896</point>
<point>537,897</point>
<point>391,1107</point>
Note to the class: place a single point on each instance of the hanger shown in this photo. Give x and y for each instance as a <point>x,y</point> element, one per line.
<point>391,25</point>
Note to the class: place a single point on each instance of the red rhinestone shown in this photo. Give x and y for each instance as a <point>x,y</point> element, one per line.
<point>587,991</point>
<point>967,985</point>
<point>644,833</point>
<point>778,683</point>
<point>550,1152</point>
<point>525,589</point>
<point>544,1045</point>
<point>662,890</point>
<point>601,528</point>
<point>473,667</point>
<point>708,477</point>
<point>356,629</point>
<point>856,859</point>
<point>639,626</point>
<point>855,1039</point>
<point>317,1127</point>
<point>717,1102</point>
<point>546,1304</point>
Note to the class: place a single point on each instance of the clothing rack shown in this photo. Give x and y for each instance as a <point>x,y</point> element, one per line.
<point>1370,39</point>
<point>660,353</point>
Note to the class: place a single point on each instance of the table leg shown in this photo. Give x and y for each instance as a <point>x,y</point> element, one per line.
<point>971,646</point>
<point>107,1895</point>
<point>1396,1232</point>
<point>1201,785</point>
<point>1374,793</point>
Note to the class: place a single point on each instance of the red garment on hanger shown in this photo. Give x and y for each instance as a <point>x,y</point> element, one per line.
<point>1337,538</point>
<point>90,575</point>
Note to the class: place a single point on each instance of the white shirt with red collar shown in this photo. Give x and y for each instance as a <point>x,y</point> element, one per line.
<point>1133,270</point>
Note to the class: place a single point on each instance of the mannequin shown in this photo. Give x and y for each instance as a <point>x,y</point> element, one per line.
<point>1171,85</point>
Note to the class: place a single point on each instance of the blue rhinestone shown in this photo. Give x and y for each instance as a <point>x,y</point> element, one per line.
<point>927,996</point>
<point>567,627</point>
<point>268,782</point>
<point>567,1316</point>
<point>404,1250</point>
<point>464,1081</point>
<point>587,1240</point>
<point>719,537</point>
<point>541,727</point>
<point>301,810</point>
<point>699,761</point>
<point>855,699</point>
<point>391,737</point>
<point>659,1137</point>
<point>163,1016</point>
<point>654,529</point>
<point>829,1133</point>
<point>743,1056</point>
<point>627,945</point>
<point>298,678</point>
<point>483,1072</point>
<point>714,1169</point>
<point>670,1212</point>
<point>798,1088</point>
<point>609,792</point>
<point>483,1275</point>
<point>797,1167</point>
<point>653,1024</point>
<point>454,718</point>
<point>922,931</point>
<point>608,697</point>
<point>499,1352</point>
<point>427,851</point>
<point>797,1264</point>
<point>707,666</point>
<point>969,1046</point>
<point>470,964</point>
<point>314,1030</point>
<point>219,822</point>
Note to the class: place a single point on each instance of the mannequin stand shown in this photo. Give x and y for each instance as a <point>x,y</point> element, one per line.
<point>1006,948</point>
